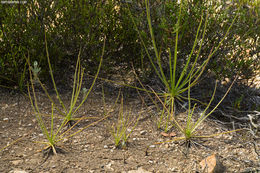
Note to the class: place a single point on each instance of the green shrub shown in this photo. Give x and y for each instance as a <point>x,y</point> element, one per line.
<point>71,24</point>
<point>237,55</point>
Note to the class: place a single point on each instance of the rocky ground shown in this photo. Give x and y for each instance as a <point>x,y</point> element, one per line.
<point>93,149</point>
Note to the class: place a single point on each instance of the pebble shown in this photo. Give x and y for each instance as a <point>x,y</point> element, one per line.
<point>18,171</point>
<point>4,107</point>
<point>139,170</point>
<point>166,145</point>
<point>65,139</point>
<point>105,146</point>
<point>143,132</point>
<point>16,162</point>
<point>212,164</point>
<point>108,166</point>
<point>173,169</point>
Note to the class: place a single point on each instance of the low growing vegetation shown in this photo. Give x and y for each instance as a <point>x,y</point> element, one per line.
<point>124,126</point>
<point>171,47</point>
<point>67,113</point>
<point>177,81</point>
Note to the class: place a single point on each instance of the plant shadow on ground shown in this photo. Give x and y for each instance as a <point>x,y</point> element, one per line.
<point>93,149</point>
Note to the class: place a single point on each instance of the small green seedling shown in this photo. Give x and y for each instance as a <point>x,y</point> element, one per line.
<point>35,70</point>
<point>123,128</point>
<point>238,101</point>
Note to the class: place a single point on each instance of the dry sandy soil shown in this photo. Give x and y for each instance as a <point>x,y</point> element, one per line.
<point>93,150</point>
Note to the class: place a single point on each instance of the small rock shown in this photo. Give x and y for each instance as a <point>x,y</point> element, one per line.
<point>172,134</point>
<point>143,132</point>
<point>166,145</point>
<point>249,162</point>
<point>173,169</point>
<point>65,140</point>
<point>4,107</point>
<point>211,164</point>
<point>131,159</point>
<point>160,140</point>
<point>18,171</point>
<point>134,139</point>
<point>139,170</point>
<point>105,146</point>
<point>152,146</point>
<point>33,161</point>
<point>15,104</point>
<point>5,119</point>
<point>16,162</point>
<point>108,166</point>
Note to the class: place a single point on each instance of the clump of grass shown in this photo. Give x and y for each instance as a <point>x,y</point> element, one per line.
<point>189,131</point>
<point>175,85</point>
<point>67,113</point>
<point>123,128</point>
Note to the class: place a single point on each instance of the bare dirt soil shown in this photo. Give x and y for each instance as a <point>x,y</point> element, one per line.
<point>93,150</point>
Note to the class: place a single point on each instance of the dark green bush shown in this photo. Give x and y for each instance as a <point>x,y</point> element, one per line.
<point>237,55</point>
<point>71,25</point>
